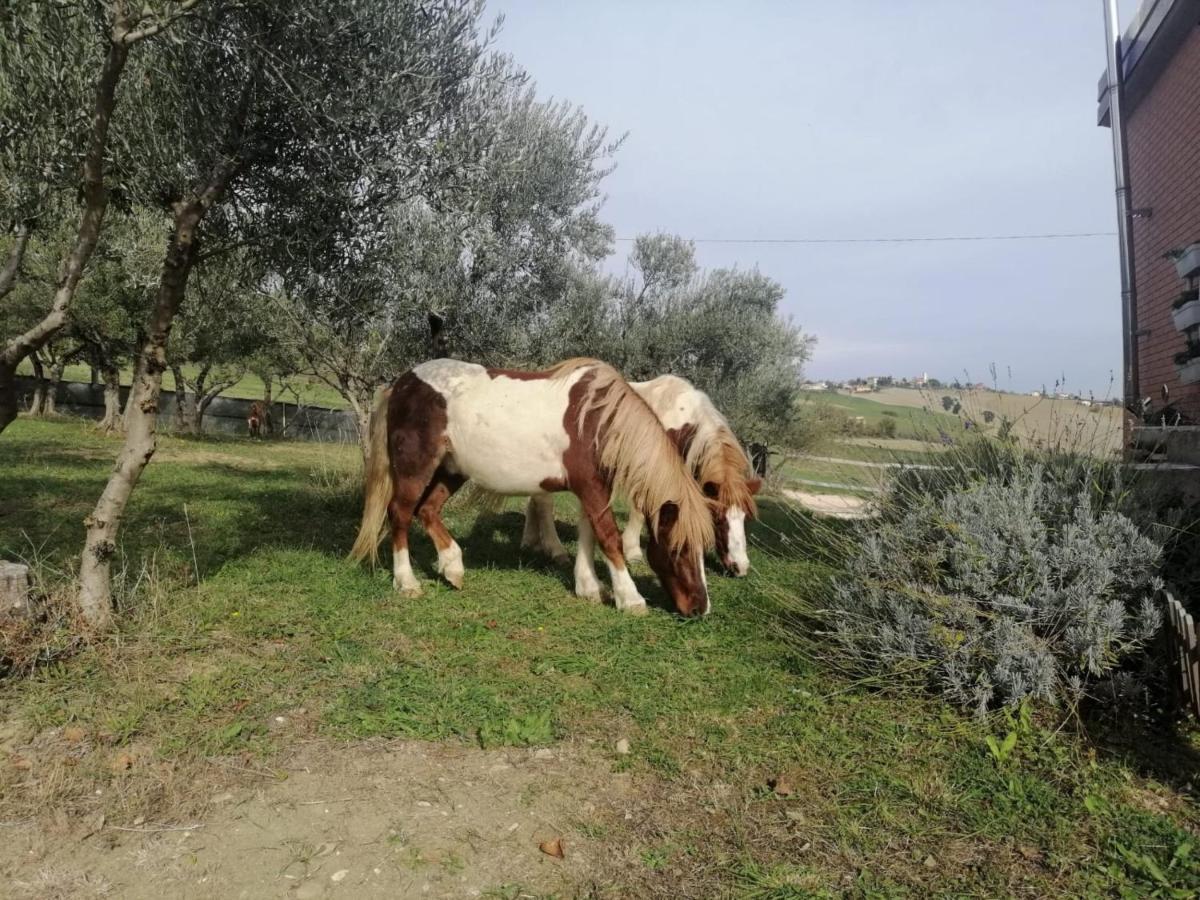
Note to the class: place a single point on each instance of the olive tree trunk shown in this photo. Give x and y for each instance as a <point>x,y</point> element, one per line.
<point>186,418</point>
<point>16,255</point>
<point>362,405</point>
<point>141,412</point>
<point>112,420</point>
<point>39,385</point>
<point>50,402</point>
<point>267,380</point>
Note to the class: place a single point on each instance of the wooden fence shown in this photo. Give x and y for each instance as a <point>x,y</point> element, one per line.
<point>1184,651</point>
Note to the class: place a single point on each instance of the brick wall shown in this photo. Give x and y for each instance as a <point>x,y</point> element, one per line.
<point>1164,171</point>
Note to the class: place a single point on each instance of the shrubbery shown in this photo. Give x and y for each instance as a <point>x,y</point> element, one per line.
<point>1004,576</point>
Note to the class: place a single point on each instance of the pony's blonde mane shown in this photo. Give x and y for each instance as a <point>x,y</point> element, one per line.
<point>638,455</point>
<point>715,455</point>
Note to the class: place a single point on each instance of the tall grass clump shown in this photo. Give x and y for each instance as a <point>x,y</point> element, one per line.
<point>1005,574</point>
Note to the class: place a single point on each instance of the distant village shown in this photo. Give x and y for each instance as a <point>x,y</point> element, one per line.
<point>924,382</point>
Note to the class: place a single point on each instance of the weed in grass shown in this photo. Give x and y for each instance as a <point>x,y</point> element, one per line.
<point>515,892</point>
<point>655,858</point>
<point>754,881</point>
<point>594,830</point>
<point>519,731</point>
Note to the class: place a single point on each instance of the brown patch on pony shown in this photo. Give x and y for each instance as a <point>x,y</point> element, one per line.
<point>408,442</point>
<point>416,429</point>
<point>720,461</point>
<point>520,374</point>
<point>429,509</point>
<point>682,583</point>
<point>554,485</point>
<point>682,437</point>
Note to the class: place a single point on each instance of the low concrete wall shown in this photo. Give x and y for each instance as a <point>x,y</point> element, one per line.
<point>226,415</point>
<point>1178,443</point>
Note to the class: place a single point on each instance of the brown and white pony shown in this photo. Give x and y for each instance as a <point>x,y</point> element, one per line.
<point>576,427</point>
<point>254,421</point>
<point>713,455</point>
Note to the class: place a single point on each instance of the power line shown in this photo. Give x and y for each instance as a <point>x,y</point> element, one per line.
<point>903,240</point>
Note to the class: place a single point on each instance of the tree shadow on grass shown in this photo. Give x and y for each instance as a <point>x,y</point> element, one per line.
<point>494,539</point>
<point>1163,750</point>
<point>214,512</point>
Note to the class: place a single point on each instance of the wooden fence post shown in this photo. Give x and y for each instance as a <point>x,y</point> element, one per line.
<point>1184,649</point>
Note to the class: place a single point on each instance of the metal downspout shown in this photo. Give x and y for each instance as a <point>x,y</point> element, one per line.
<point>1116,119</point>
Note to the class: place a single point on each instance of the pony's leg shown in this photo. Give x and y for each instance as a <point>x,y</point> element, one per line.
<point>408,490</point>
<point>531,539</point>
<point>598,509</point>
<point>540,533</point>
<point>631,538</point>
<point>450,560</point>
<point>587,585</point>
<point>547,533</point>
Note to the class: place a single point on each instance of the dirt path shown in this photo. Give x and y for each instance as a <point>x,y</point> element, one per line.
<point>841,506</point>
<point>396,820</point>
<point>866,464</point>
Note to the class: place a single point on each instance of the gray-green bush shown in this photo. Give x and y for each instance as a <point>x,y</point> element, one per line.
<point>1016,579</point>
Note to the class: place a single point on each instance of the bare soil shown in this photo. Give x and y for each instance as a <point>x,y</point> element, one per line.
<point>408,819</point>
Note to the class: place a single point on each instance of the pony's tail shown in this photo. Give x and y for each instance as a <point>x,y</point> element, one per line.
<point>377,486</point>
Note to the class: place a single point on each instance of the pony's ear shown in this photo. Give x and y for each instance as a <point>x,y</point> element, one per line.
<point>754,485</point>
<point>668,515</point>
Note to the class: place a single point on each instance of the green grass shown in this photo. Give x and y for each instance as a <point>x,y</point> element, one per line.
<point>920,424</point>
<point>311,391</point>
<point>801,473</point>
<point>280,621</point>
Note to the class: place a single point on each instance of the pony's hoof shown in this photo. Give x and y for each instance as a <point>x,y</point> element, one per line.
<point>455,579</point>
<point>590,597</point>
<point>561,559</point>
<point>634,556</point>
<point>413,590</point>
<point>636,609</point>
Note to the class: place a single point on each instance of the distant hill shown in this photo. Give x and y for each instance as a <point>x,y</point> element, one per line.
<point>1046,419</point>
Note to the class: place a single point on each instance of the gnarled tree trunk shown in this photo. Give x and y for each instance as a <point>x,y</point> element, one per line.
<point>186,417</point>
<point>16,254</point>
<point>214,391</point>
<point>50,403</point>
<point>112,399</point>
<point>363,406</point>
<point>267,381</point>
<point>141,412</point>
<point>39,386</point>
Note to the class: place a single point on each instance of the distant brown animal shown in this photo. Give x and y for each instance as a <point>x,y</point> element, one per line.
<point>256,418</point>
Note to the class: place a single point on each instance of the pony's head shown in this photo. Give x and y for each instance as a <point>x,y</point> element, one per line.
<point>732,504</point>
<point>678,564</point>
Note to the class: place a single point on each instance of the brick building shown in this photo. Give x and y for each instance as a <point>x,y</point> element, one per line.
<point>1161,69</point>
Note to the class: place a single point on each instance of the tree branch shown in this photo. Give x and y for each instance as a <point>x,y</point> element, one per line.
<point>16,254</point>
<point>149,31</point>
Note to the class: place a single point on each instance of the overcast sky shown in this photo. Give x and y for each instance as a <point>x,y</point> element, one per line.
<point>866,118</point>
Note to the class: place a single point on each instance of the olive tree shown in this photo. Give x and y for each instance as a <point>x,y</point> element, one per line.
<point>275,124</point>
<point>722,330</point>
<point>61,64</point>
<point>490,250</point>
